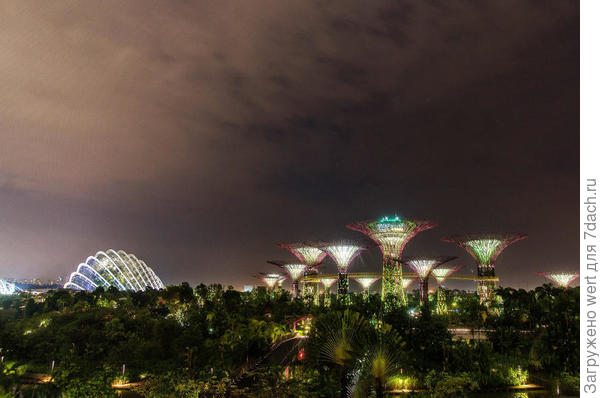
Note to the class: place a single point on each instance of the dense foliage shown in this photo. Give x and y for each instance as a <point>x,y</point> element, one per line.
<point>211,341</point>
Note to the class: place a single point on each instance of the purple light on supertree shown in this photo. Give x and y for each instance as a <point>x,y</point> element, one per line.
<point>561,278</point>
<point>342,253</point>
<point>485,249</point>
<point>423,267</point>
<point>391,234</point>
<point>294,270</point>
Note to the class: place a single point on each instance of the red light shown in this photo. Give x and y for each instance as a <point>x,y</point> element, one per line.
<point>301,354</point>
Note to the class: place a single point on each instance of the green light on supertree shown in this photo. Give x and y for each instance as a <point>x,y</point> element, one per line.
<point>327,283</point>
<point>441,274</point>
<point>343,286</point>
<point>294,270</point>
<point>311,256</point>
<point>561,279</point>
<point>391,235</point>
<point>485,249</point>
<point>423,267</point>
<point>342,253</point>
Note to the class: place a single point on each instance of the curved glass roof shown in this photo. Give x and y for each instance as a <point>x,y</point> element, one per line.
<point>113,268</point>
<point>7,287</point>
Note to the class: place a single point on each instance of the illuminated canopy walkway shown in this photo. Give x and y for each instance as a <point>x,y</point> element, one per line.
<point>318,278</point>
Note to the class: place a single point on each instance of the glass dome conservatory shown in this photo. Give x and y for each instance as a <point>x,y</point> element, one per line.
<point>7,287</point>
<point>113,268</point>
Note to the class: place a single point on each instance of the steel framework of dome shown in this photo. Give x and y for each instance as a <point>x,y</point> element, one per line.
<point>391,234</point>
<point>7,287</point>
<point>113,268</point>
<point>485,249</point>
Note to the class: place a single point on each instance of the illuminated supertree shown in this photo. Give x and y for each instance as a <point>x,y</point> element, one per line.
<point>294,270</point>
<point>406,282</point>
<point>562,279</point>
<point>327,283</point>
<point>485,249</point>
<point>366,282</point>
<point>391,235</point>
<point>440,275</point>
<point>342,253</point>
<point>310,256</point>
<point>423,267</point>
<point>270,279</point>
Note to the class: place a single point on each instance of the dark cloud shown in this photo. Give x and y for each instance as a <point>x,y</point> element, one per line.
<point>197,134</point>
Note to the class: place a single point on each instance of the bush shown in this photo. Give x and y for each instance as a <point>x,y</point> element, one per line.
<point>401,382</point>
<point>445,385</point>
<point>569,383</point>
<point>517,376</point>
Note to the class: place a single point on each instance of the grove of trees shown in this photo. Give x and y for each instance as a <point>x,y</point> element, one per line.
<point>214,341</point>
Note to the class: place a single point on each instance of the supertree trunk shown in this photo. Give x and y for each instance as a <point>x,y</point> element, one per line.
<point>295,289</point>
<point>343,288</point>
<point>391,285</point>
<point>425,295</point>
<point>442,308</point>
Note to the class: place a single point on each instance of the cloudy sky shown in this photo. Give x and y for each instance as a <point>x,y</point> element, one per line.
<point>198,134</point>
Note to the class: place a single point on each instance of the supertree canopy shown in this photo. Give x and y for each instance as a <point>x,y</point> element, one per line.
<point>328,282</point>
<point>423,267</point>
<point>485,249</point>
<point>294,270</point>
<point>305,253</point>
<point>311,256</point>
<point>562,279</point>
<point>440,274</point>
<point>113,268</point>
<point>7,287</point>
<point>270,279</point>
<point>342,253</point>
<point>366,282</point>
<point>391,235</point>
<point>406,282</point>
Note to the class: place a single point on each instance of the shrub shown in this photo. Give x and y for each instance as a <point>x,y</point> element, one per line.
<point>454,386</point>
<point>517,376</point>
<point>446,385</point>
<point>569,383</point>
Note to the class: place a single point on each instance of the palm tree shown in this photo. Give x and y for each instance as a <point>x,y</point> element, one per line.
<point>338,339</point>
<point>381,363</point>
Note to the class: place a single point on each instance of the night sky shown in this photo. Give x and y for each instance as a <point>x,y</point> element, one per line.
<point>199,134</point>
